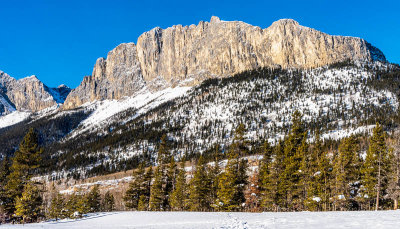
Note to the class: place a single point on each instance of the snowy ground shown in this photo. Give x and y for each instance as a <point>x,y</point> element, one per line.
<point>380,219</point>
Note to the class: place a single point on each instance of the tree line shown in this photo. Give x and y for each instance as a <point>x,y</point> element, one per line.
<point>297,173</point>
<point>293,175</point>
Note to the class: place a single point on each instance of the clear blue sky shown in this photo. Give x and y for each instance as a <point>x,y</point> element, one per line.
<point>59,41</point>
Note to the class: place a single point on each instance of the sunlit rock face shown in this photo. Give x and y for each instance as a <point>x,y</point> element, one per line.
<point>186,55</point>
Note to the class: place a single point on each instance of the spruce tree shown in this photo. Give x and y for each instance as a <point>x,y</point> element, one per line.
<point>234,179</point>
<point>24,163</point>
<point>57,207</point>
<point>157,195</point>
<point>136,188</point>
<point>214,176</point>
<point>394,175</point>
<point>376,167</point>
<point>170,181</point>
<point>29,204</point>
<point>94,199</point>
<point>108,202</point>
<point>179,196</point>
<point>347,174</point>
<point>200,186</point>
<point>323,181</point>
<point>293,177</point>
<point>4,173</point>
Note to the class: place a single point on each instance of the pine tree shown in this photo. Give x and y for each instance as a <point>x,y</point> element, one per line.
<point>157,195</point>
<point>29,205</point>
<point>292,176</point>
<point>376,167</point>
<point>158,198</point>
<point>271,187</point>
<point>179,196</point>
<point>94,199</point>
<point>200,186</point>
<point>136,188</point>
<point>323,180</point>
<point>71,205</point>
<point>214,175</point>
<point>394,175</point>
<point>108,202</point>
<point>170,182</point>
<point>346,170</point>
<point>24,163</point>
<point>234,179</point>
<point>4,173</point>
<point>83,206</point>
<point>57,207</point>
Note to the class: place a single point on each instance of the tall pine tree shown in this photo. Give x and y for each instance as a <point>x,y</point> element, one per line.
<point>24,163</point>
<point>376,167</point>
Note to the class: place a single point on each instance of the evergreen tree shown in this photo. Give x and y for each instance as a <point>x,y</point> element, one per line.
<point>29,205</point>
<point>394,175</point>
<point>293,177</point>
<point>271,186</point>
<point>83,206</point>
<point>346,170</point>
<point>24,163</point>
<point>179,196</point>
<point>158,198</point>
<point>143,203</point>
<point>323,181</point>
<point>57,205</point>
<point>136,188</point>
<point>376,167</point>
<point>200,187</point>
<point>4,173</point>
<point>170,182</point>
<point>108,202</point>
<point>157,195</point>
<point>94,199</point>
<point>233,180</point>
<point>214,175</point>
<point>71,205</point>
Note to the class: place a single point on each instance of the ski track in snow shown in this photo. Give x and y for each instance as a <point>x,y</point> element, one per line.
<point>224,220</point>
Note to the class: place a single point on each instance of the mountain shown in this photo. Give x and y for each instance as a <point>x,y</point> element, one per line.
<point>197,84</point>
<point>187,55</point>
<point>27,94</point>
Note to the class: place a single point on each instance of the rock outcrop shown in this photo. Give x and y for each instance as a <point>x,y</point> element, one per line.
<point>27,94</point>
<point>186,55</point>
<point>113,78</point>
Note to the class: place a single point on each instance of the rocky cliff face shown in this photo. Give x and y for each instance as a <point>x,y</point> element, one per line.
<point>113,78</point>
<point>186,55</point>
<point>27,94</point>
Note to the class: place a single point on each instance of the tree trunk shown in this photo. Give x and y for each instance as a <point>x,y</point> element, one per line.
<point>395,204</point>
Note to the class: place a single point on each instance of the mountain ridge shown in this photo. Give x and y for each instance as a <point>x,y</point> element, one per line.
<point>187,55</point>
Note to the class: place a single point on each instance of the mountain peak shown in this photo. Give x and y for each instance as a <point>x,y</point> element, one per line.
<point>285,21</point>
<point>215,19</point>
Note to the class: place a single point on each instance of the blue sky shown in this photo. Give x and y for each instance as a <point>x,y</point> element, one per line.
<point>59,41</point>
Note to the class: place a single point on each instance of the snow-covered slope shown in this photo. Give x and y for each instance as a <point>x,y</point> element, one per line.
<point>13,118</point>
<point>144,100</point>
<point>224,220</point>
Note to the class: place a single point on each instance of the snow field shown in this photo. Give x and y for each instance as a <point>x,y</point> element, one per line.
<point>224,220</point>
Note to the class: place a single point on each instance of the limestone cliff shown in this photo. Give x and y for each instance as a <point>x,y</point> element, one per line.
<point>113,78</point>
<point>27,94</point>
<point>186,55</point>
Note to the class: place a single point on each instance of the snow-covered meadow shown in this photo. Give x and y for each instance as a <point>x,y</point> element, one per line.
<point>365,219</point>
